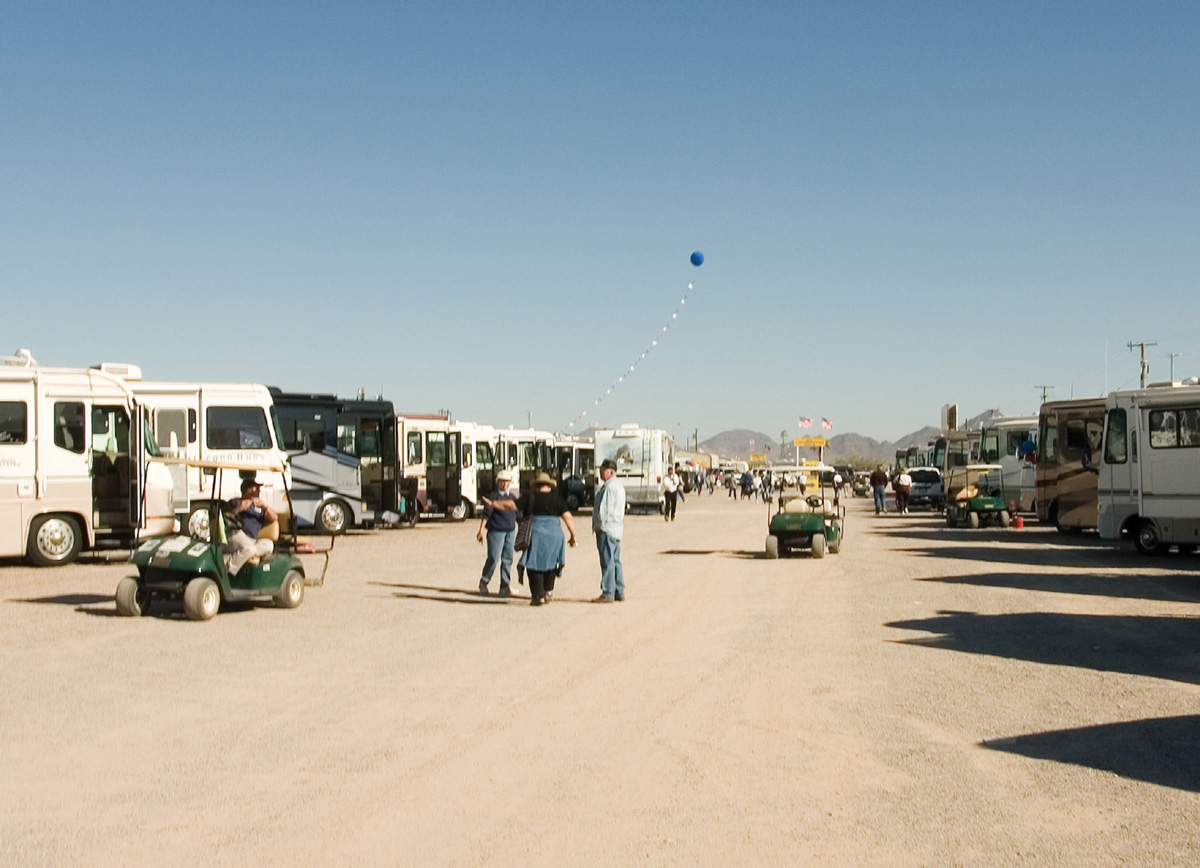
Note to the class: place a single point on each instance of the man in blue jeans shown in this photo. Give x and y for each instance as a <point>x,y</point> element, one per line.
<point>879,481</point>
<point>608,523</point>
<point>501,525</point>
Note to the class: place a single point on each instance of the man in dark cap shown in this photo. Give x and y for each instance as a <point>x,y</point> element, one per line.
<point>608,523</point>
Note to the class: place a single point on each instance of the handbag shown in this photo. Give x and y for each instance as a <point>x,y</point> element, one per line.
<point>525,527</point>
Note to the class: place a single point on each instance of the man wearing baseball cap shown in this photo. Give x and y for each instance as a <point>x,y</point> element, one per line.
<point>501,526</point>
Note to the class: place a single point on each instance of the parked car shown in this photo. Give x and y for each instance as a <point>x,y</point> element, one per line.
<point>926,487</point>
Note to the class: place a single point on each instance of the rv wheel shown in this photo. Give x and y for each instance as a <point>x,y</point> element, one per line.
<point>197,523</point>
<point>1148,541</point>
<point>333,517</point>
<point>54,540</point>
<point>461,510</point>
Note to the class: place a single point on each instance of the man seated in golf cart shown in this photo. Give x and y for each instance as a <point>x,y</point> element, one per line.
<point>247,516</point>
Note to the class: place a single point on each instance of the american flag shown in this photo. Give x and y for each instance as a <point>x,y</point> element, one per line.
<point>806,421</point>
<point>827,424</point>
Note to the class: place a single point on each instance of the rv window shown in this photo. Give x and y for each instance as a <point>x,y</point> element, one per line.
<point>1017,439</point>
<point>170,427</point>
<point>586,464</point>
<point>435,442</point>
<point>237,428</point>
<point>1114,438</point>
<point>1048,442</point>
<point>368,441</point>
<point>1189,427</point>
<point>1162,425</point>
<point>466,455</point>
<point>528,456</point>
<point>483,456</point>
<point>68,426</point>
<point>14,422</point>
<point>412,453</point>
<point>347,439</point>
<point>989,450</point>
<point>1076,439</point>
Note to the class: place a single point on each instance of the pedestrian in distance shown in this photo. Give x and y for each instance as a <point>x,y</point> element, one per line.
<point>838,484</point>
<point>500,526</point>
<point>608,524</point>
<point>879,481</point>
<point>671,485</point>
<point>903,488</point>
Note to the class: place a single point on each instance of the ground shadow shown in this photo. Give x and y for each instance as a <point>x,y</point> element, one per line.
<point>462,596</point>
<point>1159,647</point>
<point>172,609</point>
<point>67,599</point>
<point>1173,589</point>
<point>733,553</point>
<point>1159,750</point>
<point>1041,555</point>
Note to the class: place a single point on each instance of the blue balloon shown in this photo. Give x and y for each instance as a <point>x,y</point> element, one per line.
<point>697,259</point>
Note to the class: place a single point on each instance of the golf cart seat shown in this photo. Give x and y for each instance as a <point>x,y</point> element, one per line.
<point>796,505</point>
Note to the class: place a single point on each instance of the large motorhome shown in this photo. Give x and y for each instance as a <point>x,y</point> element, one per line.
<point>526,452</point>
<point>343,460</point>
<point>213,423</point>
<point>1068,457</point>
<point>1149,482</point>
<point>76,464</point>
<point>432,454</point>
<point>642,456</point>
<point>575,470</point>
<point>1008,441</point>
<point>956,448</point>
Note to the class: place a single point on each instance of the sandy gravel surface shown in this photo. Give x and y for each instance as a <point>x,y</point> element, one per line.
<point>927,697</point>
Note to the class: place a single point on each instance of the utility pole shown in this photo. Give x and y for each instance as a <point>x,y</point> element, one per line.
<point>782,444</point>
<point>1145,364</point>
<point>1044,389</point>
<point>1173,357</point>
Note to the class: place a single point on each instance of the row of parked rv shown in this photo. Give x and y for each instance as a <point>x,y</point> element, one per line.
<point>100,456</point>
<point>1126,465</point>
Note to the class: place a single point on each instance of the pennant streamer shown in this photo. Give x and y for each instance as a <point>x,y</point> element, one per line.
<point>578,421</point>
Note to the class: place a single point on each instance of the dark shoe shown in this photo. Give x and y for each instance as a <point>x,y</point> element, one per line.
<point>603,598</point>
<point>505,591</point>
<point>483,591</point>
<point>537,601</point>
<point>620,598</point>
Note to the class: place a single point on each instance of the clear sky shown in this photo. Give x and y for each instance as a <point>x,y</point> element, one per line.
<point>489,207</point>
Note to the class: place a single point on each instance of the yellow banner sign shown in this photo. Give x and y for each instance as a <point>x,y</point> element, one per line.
<point>812,442</point>
<point>758,456</point>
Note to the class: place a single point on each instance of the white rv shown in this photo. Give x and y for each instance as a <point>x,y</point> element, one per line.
<point>1006,440</point>
<point>1149,482</point>
<point>642,456</point>
<point>76,464</point>
<point>218,423</point>
<point>431,446</point>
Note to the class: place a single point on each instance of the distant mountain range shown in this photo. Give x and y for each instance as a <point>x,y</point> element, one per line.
<point>741,443</point>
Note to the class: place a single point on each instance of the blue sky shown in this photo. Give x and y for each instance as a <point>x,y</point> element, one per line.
<point>490,207</point>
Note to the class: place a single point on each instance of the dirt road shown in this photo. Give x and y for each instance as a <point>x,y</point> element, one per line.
<point>927,697</point>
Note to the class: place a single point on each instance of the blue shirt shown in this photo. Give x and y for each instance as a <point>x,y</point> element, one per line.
<point>500,519</point>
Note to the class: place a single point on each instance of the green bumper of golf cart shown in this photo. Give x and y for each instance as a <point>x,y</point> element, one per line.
<point>799,530</point>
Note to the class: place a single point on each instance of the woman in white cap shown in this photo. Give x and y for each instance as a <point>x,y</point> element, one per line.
<point>501,527</point>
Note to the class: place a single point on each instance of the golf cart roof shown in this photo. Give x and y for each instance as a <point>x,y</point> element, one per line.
<point>265,464</point>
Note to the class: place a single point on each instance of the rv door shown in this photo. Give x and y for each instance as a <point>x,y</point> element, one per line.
<point>138,425</point>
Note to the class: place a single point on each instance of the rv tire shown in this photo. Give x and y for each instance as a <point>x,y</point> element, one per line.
<point>197,522</point>
<point>1148,540</point>
<point>333,517</point>
<point>461,510</point>
<point>54,540</point>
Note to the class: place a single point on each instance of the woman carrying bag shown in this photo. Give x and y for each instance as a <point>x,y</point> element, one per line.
<point>546,554</point>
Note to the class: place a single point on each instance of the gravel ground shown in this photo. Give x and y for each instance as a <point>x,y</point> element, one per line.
<point>927,697</point>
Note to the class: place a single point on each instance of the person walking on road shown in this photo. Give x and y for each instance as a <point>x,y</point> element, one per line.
<point>547,552</point>
<point>671,486</point>
<point>903,489</point>
<point>501,527</point>
<point>608,523</point>
<point>879,481</point>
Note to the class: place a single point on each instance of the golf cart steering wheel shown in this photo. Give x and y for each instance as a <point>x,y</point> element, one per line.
<point>813,500</point>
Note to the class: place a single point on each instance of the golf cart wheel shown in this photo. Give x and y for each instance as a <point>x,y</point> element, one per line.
<point>291,592</point>
<point>836,546</point>
<point>772,547</point>
<point>950,522</point>
<point>973,519</point>
<point>201,599</point>
<point>54,540</point>
<point>197,523</point>
<point>333,517</point>
<point>132,599</point>
<point>818,545</point>
<point>1005,518</point>
<point>1148,540</point>
<point>461,510</point>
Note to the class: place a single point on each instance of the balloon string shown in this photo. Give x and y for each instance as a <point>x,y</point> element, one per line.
<point>633,367</point>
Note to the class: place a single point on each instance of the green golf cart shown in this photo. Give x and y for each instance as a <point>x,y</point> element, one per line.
<point>969,500</point>
<point>800,522</point>
<point>196,570</point>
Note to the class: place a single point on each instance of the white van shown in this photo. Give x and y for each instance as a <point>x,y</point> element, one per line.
<point>1149,482</point>
<point>213,422</point>
<point>76,464</point>
<point>642,456</point>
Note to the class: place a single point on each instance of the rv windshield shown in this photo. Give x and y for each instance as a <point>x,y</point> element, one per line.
<point>627,452</point>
